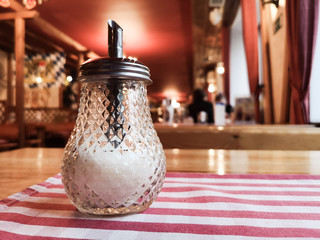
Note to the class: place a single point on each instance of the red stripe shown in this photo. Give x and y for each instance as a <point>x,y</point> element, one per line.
<point>162,227</point>
<point>232,214</point>
<point>51,195</point>
<point>246,192</point>
<point>47,184</point>
<point>242,176</point>
<point>47,206</point>
<point>8,201</point>
<point>247,184</point>
<point>12,201</point>
<point>212,199</point>
<point>12,236</point>
<point>58,176</point>
<point>60,186</point>
<point>189,212</point>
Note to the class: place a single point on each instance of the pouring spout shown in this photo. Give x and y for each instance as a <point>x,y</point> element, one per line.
<point>115,34</point>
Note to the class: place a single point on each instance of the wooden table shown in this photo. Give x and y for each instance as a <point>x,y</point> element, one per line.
<point>24,167</point>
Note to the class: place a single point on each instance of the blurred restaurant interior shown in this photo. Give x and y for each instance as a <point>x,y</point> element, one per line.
<point>224,144</point>
<point>250,52</point>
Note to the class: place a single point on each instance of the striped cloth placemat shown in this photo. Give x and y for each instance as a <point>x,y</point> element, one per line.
<point>190,206</point>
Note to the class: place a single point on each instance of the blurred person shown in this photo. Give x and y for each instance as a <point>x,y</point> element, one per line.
<point>229,114</point>
<point>200,105</point>
<point>220,110</point>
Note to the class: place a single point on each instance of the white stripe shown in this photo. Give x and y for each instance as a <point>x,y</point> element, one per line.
<point>315,182</point>
<point>117,234</point>
<point>43,231</point>
<point>54,180</point>
<point>227,206</point>
<point>204,193</point>
<point>245,188</point>
<point>236,207</point>
<point>48,200</point>
<point>192,194</point>
<point>186,184</point>
<point>179,219</point>
<point>43,189</point>
<point>236,188</point>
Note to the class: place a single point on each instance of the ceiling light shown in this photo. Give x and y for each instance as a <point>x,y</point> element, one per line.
<point>220,68</point>
<point>215,16</point>
<point>211,88</point>
<point>69,79</point>
<point>29,4</point>
<point>39,80</point>
<point>175,104</point>
<point>5,3</point>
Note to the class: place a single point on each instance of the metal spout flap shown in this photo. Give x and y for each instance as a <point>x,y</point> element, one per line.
<point>115,33</point>
<point>114,67</point>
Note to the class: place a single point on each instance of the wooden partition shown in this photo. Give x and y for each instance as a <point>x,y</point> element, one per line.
<point>246,137</point>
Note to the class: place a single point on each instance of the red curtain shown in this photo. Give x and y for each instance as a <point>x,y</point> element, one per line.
<point>250,37</point>
<point>226,61</point>
<point>302,22</point>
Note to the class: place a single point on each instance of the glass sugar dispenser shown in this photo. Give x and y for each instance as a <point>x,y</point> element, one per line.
<point>113,162</point>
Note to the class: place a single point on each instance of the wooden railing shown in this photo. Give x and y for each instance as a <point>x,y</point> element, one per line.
<point>49,115</point>
<point>2,112</point>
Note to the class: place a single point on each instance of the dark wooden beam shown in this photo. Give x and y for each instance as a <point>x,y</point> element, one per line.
<point>19,54</point>
<point>9,79</point>
<point>20,14</point>
<point>6,46</point>
<point>51,31</point>
<point>54,33</point>
<point>14,5</point>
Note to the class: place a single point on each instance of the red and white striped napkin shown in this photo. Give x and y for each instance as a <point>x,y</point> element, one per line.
<point>190,206</point>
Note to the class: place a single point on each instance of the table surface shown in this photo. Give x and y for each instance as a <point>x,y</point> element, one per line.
<point>24,167</point>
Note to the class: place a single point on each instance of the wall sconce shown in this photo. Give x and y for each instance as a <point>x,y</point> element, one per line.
<point>275,2</point>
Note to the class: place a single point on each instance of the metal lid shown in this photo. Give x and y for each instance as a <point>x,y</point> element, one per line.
<point>114,67</point>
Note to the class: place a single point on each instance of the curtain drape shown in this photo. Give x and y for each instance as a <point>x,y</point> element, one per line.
<point>250,37</point>
<point>302,22</point>
<point>226,61</point>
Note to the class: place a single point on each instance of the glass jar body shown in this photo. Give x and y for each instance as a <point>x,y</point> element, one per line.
<point>113,162</point>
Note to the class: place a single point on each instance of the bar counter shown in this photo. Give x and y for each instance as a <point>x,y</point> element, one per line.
<point>196,136</point>
<point>245,137</point>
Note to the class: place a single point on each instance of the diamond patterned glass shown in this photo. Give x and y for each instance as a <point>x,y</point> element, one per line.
<point>113,162</point>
